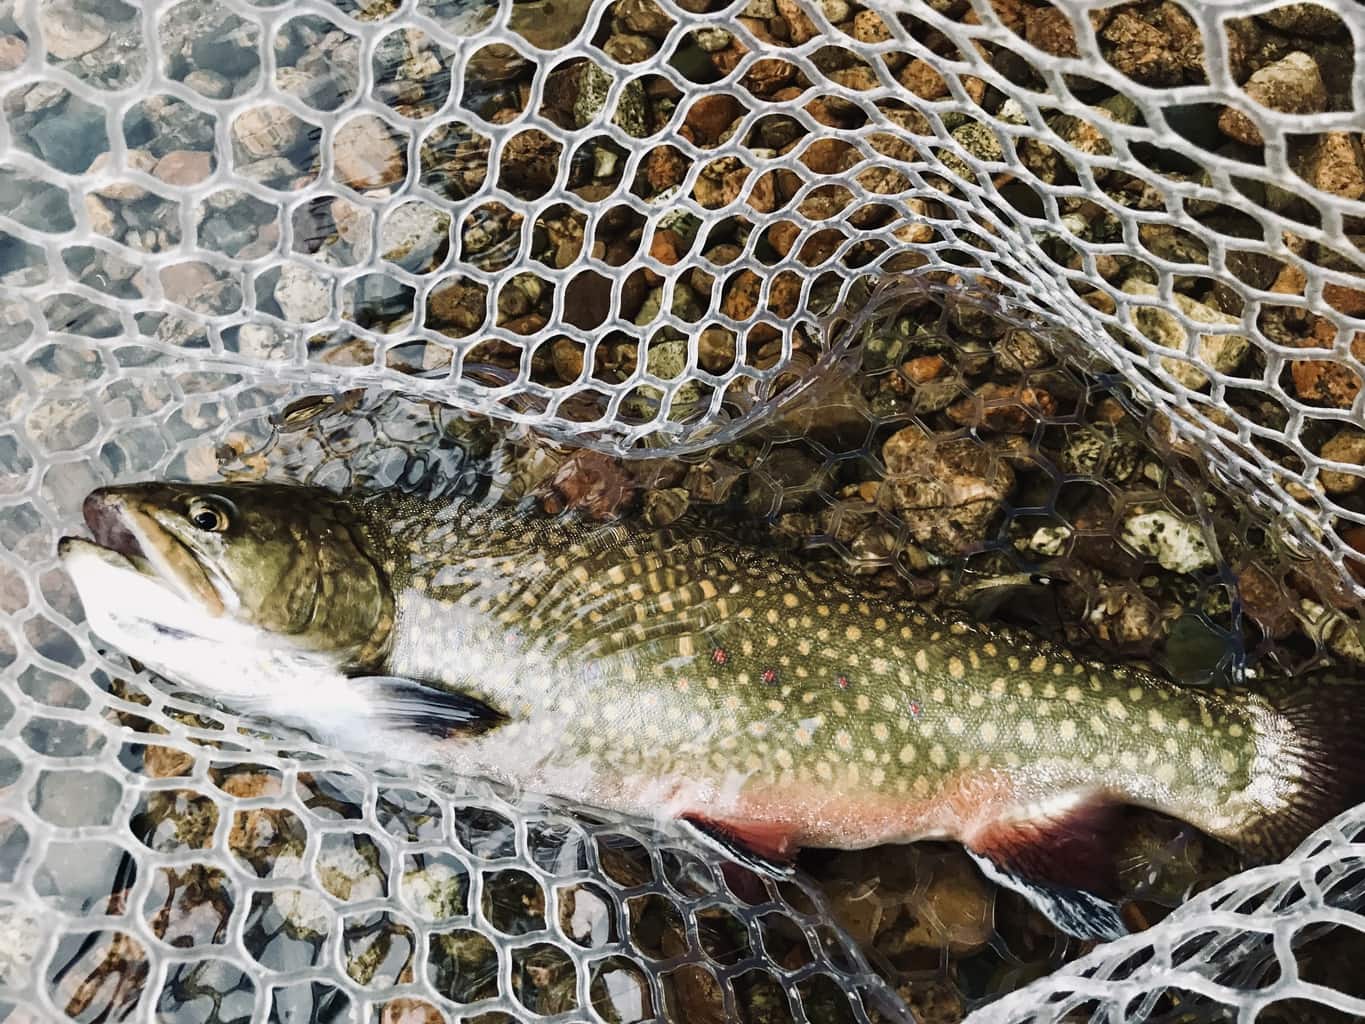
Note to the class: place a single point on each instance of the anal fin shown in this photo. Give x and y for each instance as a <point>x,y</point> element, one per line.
<point>1078,913</point>
<point>426,708</point>
<point>1061,861</point>
<point>763,849</point>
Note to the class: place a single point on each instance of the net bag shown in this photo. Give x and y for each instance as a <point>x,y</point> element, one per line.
<point>638,226</point>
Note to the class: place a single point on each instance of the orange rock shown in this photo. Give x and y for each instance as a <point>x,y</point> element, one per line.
<point>920,78</point>
<point>709,117</point>
<point>1327,381</point>
<point>923,369</point>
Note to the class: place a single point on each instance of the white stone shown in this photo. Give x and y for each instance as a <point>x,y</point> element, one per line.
<point>837,11</point>
<point>102,219</point>
<point>304,295</point>
<point>1176,545</point>
<point>265,131</point>
<point>69,33</point>
<point>713,39</point>
<point>433,892</point>
<point>262,341</point>
<point>1222,352</point>
<point>413,234</point>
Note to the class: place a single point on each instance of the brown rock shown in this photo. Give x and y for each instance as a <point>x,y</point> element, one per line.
<point>800,28</point>
<point>869,27</point>
<point>568,359</point>
<point>947,492</point>
<point>593,482</point>
<point>1001,407</point>
<point>1052,32</point>
<point>1335,163</point>
<point>184,167</point>
<point>1266,602</point>
<point>920,78</point>
<point>627,48</point>
<point>741,295</point>
<point>1155,44</point>
<point>1305,19</point>
<point>663,168</point>
<point>1347,446</point>
<point>1327,381</point>
<point>829,156</point>
<point>458,308</point>
<point>710,117</point>
<point>643,16</point>
<point>923,369</point>
<point>529,164</point>
<point>1292,85</point>
<point>367,155</point>
<point>716,349</point>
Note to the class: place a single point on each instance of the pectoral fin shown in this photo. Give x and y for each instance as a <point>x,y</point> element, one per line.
<point>761,848</point>
<point>427,708</point>
<point>1061,862</point>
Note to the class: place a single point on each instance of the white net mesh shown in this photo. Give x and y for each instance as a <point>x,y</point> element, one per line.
<point>633,224</point>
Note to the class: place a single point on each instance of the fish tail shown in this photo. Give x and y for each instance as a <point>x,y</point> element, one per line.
<point>1315,770</point>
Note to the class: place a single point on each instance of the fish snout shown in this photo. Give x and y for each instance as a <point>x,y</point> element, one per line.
<point>106,516</point>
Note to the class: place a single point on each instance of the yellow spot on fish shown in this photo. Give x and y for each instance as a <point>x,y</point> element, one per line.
<point>1115,709</point>
<point>1226,761</point>
<point>790,600</point>
<point>1165,773</point>
<point>1038,664</point>
<point>922,660</point>
<point>822,770</point>
<point>843,741</point>
<point>880,732</point>
<point>1156,720</point>
<point>802,736</point>
<point>1073,694</point>
<point>878,776</point>
<point>1066,729</point>
<point>938,695</point>
<point>863,703</point>
<point>853,633</point>
<point>955,725</point>
<point>938,755</point>
<point>998,686</point>
<point>1234,730</point>
<point>1025,691</point>
<point>1135,693</point>
<point>976,700</point>
<point>920,786</point>
<point>956,669</point>
<point>907,754</point>
<point>1027,733</point>
<point>783,758</point>
<point>988,732</point>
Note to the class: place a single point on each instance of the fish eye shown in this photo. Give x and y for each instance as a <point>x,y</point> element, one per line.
<point>212,514</point>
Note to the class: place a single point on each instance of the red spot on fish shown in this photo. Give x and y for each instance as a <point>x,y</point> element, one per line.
<point>769,676</point>
<point>719,656</point>
<point>842,682</point>
<point>915,709</point>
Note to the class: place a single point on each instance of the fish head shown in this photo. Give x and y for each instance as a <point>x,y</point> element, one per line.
<point>178,571</point>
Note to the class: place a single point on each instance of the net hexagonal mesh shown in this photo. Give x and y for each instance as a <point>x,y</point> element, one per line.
<point>959,292</point>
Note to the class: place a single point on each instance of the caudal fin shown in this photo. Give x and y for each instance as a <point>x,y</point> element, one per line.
<point>1318,768</point>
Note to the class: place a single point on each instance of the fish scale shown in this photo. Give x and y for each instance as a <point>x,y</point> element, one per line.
<point>757,696</point>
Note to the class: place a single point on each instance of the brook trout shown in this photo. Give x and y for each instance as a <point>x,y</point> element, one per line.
<point>761,700</point>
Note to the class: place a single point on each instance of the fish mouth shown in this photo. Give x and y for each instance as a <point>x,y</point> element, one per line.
<point>132,537</point>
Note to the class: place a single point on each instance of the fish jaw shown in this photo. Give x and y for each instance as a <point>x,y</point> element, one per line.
<point>132,607</point>
<point>121,526</point>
